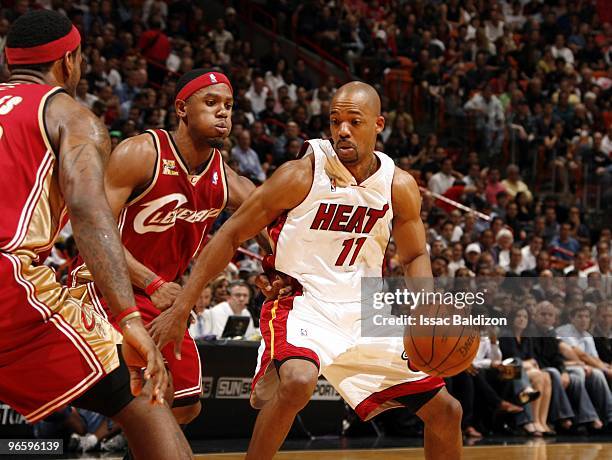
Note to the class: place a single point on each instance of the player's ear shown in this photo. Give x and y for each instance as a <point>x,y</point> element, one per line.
<point>179,107</point>
<point>380,124</point>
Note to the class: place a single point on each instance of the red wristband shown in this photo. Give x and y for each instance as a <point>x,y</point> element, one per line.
<point>127,311</point>
<point>154,285</point>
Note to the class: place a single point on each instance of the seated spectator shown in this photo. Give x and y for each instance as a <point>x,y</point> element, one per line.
<point>236,305</point>
<point>564,241</point>
<point>501,250</point>
<point>515,344</point>
<point>513,183</point>
<point>247,159</point>
<point>530,252</point>
<point>494,186</point>
<point>83,96</point>
<point>490,119</point>
<point>258,95</point>
<point>581,343</point>
<point>602,331</point>
<point>201,325</point>
<point>219,289</point>
<point>550,360</point>
<point>547,348</point>
<point>443,180</point>
<point>292,131</point>
<point>514,265</point>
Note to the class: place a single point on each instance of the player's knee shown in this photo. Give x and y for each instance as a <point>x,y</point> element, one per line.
<point>187,414</point>
<point>296,389</point>
<point>448,413</point>
<point>453,410</point>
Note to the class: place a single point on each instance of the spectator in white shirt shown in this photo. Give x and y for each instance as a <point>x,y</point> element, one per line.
<point>560,50</point>
<point>494,28</point>
<point>606,143</point>
<point>490,118</point>
<point>257,94</point>
<point>236,305</point>
<point>276,79</point>
<point>83,96</point>
<point>202,325</point>
<point>530,252</point>
<point>597,373</point>
<point>457,261</point>
<point>576,334</point>
<point>443,180</point>
<point>220,36</point>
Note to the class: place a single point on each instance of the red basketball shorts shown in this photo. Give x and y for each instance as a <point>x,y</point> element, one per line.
<point>53,347</point>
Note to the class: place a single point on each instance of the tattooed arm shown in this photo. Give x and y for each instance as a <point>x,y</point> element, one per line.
<point>82,145</point>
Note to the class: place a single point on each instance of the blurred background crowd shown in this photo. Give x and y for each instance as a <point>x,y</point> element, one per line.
<point>500,109</point>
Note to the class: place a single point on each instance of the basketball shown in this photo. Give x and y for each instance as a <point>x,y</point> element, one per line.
<point>441,349</point>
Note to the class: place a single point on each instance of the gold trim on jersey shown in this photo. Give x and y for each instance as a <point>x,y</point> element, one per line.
<point>41,182</point>
<point>223,178</point>
<point>193,178</point>
<point>90,333</point>
<point>46,216</point>
<point>157,168</point>
<point>41,116</point>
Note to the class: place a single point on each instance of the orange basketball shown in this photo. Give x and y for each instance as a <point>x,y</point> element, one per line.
<point>441,343</point>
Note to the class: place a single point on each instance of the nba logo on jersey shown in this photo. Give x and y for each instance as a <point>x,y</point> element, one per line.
<point>215,178</point>
<point>213,79</point>
<point>332,182</point>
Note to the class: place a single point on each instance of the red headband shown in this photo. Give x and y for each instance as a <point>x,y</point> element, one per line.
<point>207,79</point>
<point>48,52</point>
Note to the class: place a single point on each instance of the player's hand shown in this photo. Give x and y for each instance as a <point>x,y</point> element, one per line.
<point>168,327</point>
<point>165,296</point>
<point>277,289</point>
<point>140,351</point>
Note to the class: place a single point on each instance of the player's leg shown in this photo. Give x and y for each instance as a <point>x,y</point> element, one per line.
<point>185,414</point>
<point>442,418</point>
<point>297,381</point>
<point>297,341</point>
<point>187,379</point>
<point>385,381</point>
<point>150,429</point>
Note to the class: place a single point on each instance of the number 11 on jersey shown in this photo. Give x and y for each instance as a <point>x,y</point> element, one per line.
<point>347,245</point>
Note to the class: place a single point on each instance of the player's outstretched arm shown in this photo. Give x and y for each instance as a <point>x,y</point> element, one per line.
<point>286,189</point>
<point>83,145</point>
<point>408,229</point>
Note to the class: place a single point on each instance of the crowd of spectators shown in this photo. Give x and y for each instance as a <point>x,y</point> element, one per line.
<point>507,112</point>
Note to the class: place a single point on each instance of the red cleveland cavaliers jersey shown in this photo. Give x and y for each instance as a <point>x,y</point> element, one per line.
<point>33,209</point>
<point>165,225</point>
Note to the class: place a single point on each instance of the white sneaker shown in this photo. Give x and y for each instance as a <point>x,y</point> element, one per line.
<point>115,444</point>
<point>84,443</point>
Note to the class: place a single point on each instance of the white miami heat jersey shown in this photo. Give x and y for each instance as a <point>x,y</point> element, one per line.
<point>337,235</point>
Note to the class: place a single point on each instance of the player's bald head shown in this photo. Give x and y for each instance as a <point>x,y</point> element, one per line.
<point>360,94</point>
